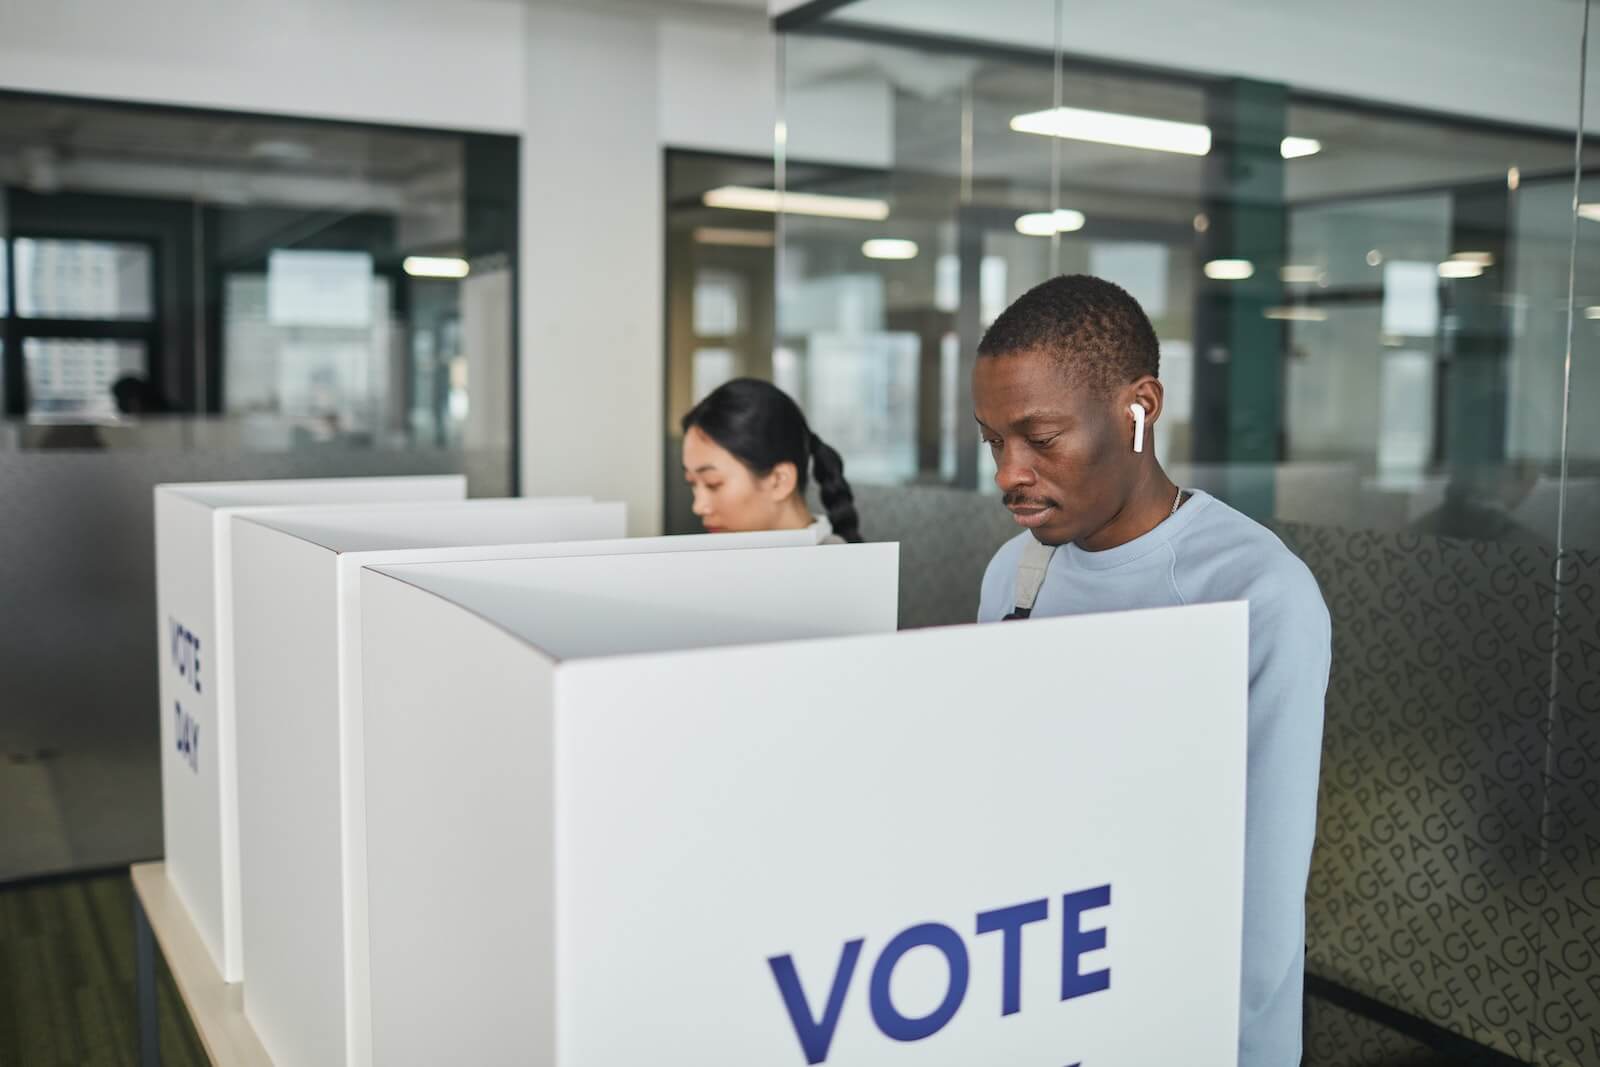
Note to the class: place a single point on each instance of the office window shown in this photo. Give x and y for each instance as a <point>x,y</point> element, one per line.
<point>75,376</point>
<point>99,280</point>
<point>719,303</point>
<point>272,285</point>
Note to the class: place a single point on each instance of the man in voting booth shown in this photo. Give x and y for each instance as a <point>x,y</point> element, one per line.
<point>1066,392</point>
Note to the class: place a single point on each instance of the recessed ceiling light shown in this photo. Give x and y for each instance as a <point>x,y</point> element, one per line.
<point>749,198</point>
<point>1126,131</point>
<point>1589,211</point>
<point>1482,259</point>
<point>889,248</point>
<point>1299,147</point>
<point>435,267</point>
<point>1230,270</point>
<point>1459,268</point>
<point>1296,314</point>
<point>1139,131</point>
<point>1045,223</point>
<point>728,235</point>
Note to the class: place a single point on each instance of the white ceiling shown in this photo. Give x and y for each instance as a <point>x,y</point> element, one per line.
<point>920,97</point>
<point>1497,59</point>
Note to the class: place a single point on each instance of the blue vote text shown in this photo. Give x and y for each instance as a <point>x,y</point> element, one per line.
<point>816,1017</point>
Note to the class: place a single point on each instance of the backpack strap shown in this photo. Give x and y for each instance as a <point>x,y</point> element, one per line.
<point>1031,571</point>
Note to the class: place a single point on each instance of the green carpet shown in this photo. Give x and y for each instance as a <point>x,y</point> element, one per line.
<point>67,981</point>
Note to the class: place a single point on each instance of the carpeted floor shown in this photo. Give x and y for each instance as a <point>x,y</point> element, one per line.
<point>67,979</point>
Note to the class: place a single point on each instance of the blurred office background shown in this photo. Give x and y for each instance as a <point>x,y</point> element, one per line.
<point>519,239</point>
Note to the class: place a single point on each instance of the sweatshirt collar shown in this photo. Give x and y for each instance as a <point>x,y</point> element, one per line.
<point>1146,543</point>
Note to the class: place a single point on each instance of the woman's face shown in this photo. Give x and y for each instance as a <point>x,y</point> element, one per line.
<point>728,498</point>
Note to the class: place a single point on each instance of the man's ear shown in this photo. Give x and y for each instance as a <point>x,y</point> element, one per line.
<point>1149,394</point>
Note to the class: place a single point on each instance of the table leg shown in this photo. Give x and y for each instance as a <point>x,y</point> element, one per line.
<point>144,962</point>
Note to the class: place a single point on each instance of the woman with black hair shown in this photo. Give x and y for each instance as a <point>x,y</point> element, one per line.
<point>748,456</point>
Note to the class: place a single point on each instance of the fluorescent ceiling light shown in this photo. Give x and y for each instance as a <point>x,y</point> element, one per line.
<point>727,235</point>
<point>749,198</point>
<point>435,267</point>
<point>1299,274</point>
<point>1296,314</point>
<point>1108,127</point>
<point>1482,259</point>
<point>1589,211</point>
<point>889,248</point>
<point>1299,147</point>
<point>1460,268</point>
<point>1592,312</point>
<point>1045,223</point>
<point>1230,270</point>
<point>1137,131</point>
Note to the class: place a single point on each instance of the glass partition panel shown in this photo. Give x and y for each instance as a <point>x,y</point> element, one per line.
<point>1357,253</point>
<point>197,296</point>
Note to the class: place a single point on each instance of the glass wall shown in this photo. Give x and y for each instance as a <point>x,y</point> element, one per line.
<point>1354,231</point>
<point>278,284</point>
<point>196,296</point>
<point>719,300</point>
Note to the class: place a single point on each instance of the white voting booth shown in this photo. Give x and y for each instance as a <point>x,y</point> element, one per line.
<point>712,810</point>
<point>302,791</point>
<point>194,598</point>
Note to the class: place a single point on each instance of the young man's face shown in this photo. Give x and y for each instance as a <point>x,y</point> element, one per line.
<point>1064,465</point>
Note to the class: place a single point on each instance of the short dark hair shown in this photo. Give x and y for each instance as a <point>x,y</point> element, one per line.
<point>1093,329</point>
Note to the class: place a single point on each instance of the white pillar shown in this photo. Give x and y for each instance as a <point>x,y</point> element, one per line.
<point>591,327</point>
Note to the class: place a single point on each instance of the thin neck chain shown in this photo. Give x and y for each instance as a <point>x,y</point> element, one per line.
<point>1176,500</point>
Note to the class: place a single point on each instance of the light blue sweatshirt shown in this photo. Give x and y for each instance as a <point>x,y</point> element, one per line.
<point>1205,553</point>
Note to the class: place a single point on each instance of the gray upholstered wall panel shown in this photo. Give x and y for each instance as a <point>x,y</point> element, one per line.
<point>1457,870</point>
<point>1338,1038</point>
<point>946,536</point>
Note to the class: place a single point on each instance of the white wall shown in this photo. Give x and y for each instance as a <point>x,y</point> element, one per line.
<point>410,62</point>
<point>718,88</point>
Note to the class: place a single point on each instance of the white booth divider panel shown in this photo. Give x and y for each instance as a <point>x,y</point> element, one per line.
<point>320,492</point>
<point>624,605</point>
<point>199,806</point>
<point>770,595</point>
<point>305,894</point>
<point>296,622</point>
<point>386,527</point>
<point>681,856</point>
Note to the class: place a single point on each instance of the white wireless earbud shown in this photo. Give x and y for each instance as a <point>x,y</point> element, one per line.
<point>1138,427</point>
